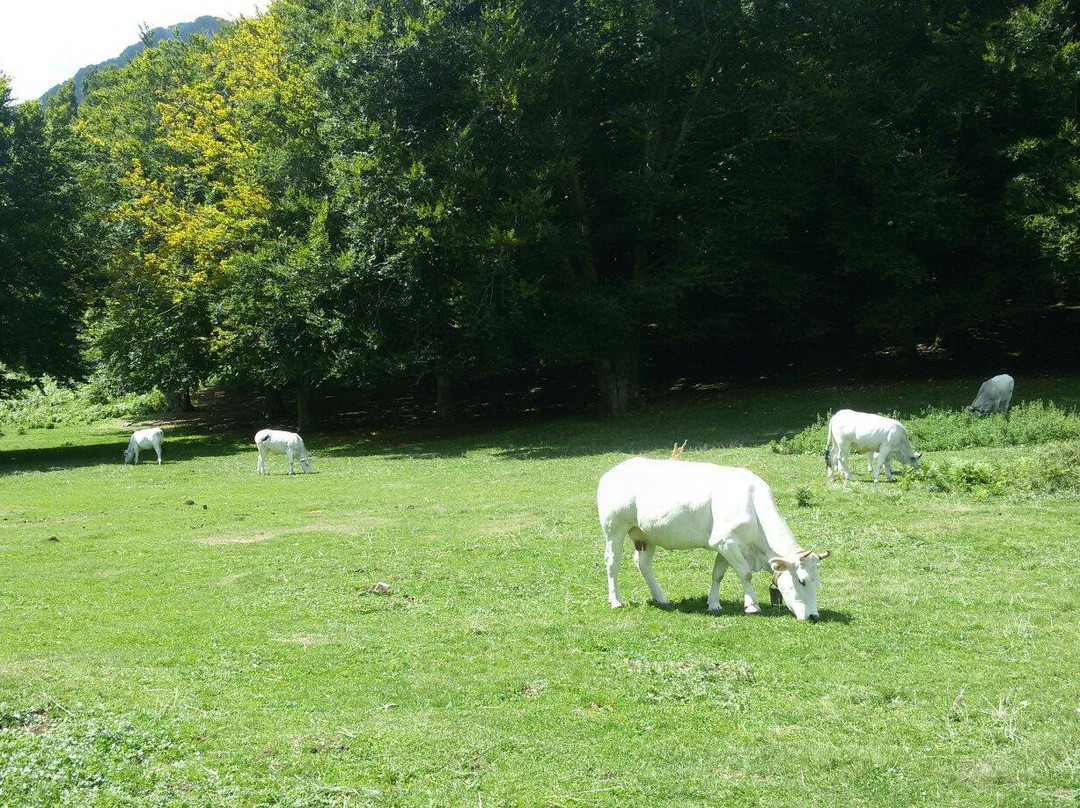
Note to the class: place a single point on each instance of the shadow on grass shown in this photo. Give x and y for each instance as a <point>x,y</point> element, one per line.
<point>176,449</point>
<point>738,417</point>
<point>732,608</point>
<point>746,416</point>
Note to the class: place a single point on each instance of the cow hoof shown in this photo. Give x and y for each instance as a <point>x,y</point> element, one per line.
<point>666,605</point>
<point>714,612</point>
<point>617,604</point>
<point>752,610</point>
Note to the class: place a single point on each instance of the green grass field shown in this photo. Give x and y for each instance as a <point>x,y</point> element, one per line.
<point>194,634</point>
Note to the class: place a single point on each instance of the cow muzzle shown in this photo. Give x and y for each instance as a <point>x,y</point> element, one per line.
<point>813,618</point>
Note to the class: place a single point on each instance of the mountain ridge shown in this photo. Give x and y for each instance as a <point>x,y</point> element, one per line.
<point>206,25</point>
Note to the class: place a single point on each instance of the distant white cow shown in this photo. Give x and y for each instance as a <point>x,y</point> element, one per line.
<point>679,505</point>
<point>994,396</point>
<point>884,439</point>
<point>279,441</point>
<point>144,439</point>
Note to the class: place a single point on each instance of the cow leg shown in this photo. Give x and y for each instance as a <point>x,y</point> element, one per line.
<point>738,562</point>
<point>842,458</point>
<point>260,468</point>
<point>870,462</point>
<point>719,568</point>
<point>289,455</point>
<point>136,461</point>
<point>883,460</point>
<point>157,451</point>
<point>643,557</point>
<point>612,558</point>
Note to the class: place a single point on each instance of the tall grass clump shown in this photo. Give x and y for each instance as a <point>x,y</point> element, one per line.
<point>939,430</point>
<point>48,404</point>
<point>1051,469</point>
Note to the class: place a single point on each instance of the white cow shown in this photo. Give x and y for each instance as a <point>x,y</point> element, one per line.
<point>144,439</point>
<point>882,438</point>
<point>279,441</point>
<point>679,505</point>
<point>994,396</point>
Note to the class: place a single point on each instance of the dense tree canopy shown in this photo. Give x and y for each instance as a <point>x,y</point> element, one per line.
<point>350,192</point>
<point>40,233</point>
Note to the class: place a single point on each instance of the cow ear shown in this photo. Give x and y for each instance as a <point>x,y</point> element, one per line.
<point>778,564</point>
<point>823,554</point>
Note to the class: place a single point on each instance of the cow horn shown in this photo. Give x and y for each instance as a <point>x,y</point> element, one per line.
<point>823,554</point>
<point>804,554</point>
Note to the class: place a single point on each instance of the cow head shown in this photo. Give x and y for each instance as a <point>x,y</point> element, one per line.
<point>129,453</point>
<point>305,463</point>
<point>915,460</point>
<point>975,412</point>
<point>797,580</point>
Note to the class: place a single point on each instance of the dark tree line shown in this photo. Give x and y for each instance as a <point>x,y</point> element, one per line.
<point>348,192</point>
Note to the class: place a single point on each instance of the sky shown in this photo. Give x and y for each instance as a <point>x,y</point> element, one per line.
<point>44,42</point>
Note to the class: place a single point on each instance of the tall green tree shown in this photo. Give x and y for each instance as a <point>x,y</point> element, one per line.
<point>40,239</point>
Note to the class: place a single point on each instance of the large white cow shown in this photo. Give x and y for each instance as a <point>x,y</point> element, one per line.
<point>679,505</point>
<point>277,440</point>
<point>884,439</point>
<point>995,395</point>
<point>144,439</point>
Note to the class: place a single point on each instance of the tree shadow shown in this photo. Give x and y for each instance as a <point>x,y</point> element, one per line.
<point>735,417</point>
<point>177,448</point>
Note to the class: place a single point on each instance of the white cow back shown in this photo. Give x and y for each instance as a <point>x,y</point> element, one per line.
<point>679,505</point>
<point>884,438</point>
<point>149,438</point>
<point>995,395</point>
<point>288,443</point>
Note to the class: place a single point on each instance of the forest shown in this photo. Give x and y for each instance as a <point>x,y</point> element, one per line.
<point>351,196</point>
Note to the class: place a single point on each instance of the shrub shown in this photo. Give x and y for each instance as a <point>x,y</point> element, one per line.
<point>963,476</point>
<point>49,403</point>
<point>1051,469</point>
<point>938,430</point>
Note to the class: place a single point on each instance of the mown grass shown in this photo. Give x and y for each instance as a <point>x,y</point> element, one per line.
<point>230,651</point>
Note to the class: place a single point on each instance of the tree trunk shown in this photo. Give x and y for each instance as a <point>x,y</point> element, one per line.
<point>305,415</point>
<point>447,397</point>
<point>179,400</point>
<point>617,380</point>
<point>274,405</point>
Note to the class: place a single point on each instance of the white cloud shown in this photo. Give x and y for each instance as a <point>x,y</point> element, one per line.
<point>43,42</point>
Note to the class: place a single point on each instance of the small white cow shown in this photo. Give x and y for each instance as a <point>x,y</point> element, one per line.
<point>679,505</point>
<point>279,441</point>
<point>884,439</point>
<point>994,395</point>
<point>144,439</point>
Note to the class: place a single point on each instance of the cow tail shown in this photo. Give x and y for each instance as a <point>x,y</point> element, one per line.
<point>828,447</point>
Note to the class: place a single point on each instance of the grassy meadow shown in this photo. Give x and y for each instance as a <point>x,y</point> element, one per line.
<point>195,634</point>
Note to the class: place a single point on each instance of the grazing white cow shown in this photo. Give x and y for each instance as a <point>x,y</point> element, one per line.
<point>279,441</point>
<point>882,438</point>
<point>144,439</point>
<point>679,505</point>
<point>994,396</point>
